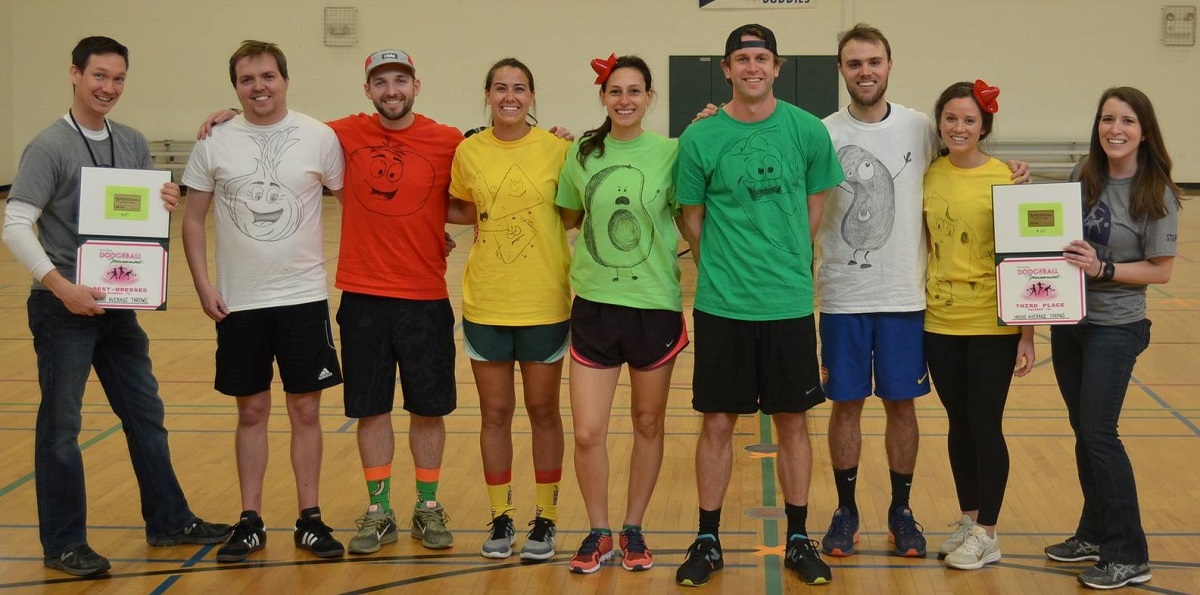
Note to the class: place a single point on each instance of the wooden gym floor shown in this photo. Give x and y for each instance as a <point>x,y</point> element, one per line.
<point>1161,430</point>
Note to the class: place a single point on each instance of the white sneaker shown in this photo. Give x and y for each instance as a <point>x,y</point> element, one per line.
<point>956,539</point>
<point>976,550</point>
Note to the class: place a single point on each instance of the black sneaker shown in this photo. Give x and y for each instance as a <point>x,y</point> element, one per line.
<point>1113,575</point>
<point>198,532</point>
<point>703,558</point>
<point>802,557</point>
<point>248,537</point>
<point>79,561</point>
<point>315,536</point>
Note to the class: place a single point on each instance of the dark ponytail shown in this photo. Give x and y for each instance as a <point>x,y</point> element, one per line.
<point>592,141</point>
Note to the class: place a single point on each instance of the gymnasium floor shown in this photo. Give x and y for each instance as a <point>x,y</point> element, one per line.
<point>1161,430</point>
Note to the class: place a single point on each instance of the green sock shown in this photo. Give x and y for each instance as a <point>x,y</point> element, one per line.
<point>380,492</point>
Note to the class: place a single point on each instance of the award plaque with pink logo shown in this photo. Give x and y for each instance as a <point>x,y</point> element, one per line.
<point>124,232</point>
<point>1032,225</point>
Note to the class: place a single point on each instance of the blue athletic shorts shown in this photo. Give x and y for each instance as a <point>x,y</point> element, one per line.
<point>891,343</point>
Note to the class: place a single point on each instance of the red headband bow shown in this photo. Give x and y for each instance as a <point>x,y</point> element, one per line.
<point>603,68</point>
<point>985,96</point>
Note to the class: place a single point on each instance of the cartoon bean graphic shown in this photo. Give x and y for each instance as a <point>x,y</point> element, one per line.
<point>868,221</point>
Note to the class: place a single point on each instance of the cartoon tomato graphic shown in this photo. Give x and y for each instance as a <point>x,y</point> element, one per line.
<point>389,180</point>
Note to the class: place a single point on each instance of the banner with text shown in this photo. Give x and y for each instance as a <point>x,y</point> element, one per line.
<point>754,4</point>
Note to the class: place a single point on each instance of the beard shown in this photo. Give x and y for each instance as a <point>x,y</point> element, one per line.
<point>387,113</point>
<point>859,99</point>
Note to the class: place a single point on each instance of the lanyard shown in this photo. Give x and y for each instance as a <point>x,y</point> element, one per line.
<point>112,150</point>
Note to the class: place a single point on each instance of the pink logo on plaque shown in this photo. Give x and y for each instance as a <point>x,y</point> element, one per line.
<point>121,274</point>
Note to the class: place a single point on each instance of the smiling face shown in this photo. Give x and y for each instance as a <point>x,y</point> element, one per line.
<point>626,99</point>
<point>97,88</point>
<point>261,89</point>
<point>865,67</point>
<point>393,90</point>
<point>1120,133</point>
<point>510,96</point>
<point>752,72</point>
<point>960,125</point>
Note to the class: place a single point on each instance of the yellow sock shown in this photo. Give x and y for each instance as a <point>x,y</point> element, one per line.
<point>547,493</point>
<point>499,486</point>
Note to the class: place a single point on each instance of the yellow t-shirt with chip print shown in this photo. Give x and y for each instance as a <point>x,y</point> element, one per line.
<point>960,278</point>
<point>517,271</point>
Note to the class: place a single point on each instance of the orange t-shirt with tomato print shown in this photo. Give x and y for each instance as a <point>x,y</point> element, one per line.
<point>394,207</point>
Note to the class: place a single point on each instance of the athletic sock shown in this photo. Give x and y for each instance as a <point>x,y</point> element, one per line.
<point>547,493</point>
<point>379,485</point>
<point>499,487</point>
<point>710,523</point>
<point>309,514</point>
<point>797,518</point>
<point>427,484</point>
<point>846,480</point>
<point>901,487</point>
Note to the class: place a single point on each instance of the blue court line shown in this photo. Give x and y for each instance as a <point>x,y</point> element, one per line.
<point>29,476</point>
<point>191,562</point>
<point>1167,406</point>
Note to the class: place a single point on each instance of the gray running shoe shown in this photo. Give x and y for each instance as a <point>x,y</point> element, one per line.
<point>375,528</point>
<point>501,538</point>
<point>1113,575</point>
<point>429,525</point>
<point>539,544</point>
<point>1073,550</point>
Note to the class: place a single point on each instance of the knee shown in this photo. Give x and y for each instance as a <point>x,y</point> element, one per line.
<point>496,417</point>
<point>304,411</point>
<point>846,412</point>
<point>718,426</point>
<point>648,424</point>
<point>253,411</point>
<point>544,415</point>
<point>588,436</point>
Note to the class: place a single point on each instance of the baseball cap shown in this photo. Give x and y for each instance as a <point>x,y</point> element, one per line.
<point>389,57</point>
<point>735,43</point>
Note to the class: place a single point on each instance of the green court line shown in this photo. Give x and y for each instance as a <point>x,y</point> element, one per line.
<point>773,580</point>
<point>83,446</point>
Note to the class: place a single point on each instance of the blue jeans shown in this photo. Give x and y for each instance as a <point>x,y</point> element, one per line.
<point>1093,365</point>
<point>68,347</point>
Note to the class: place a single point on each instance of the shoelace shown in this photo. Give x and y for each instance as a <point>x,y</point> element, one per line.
<point>591,544</point>
<point>798,552</point>
<point>974,545</point>
<point>429,517</point>
<point>635,542</point>
<point>367,521</point>
<point>906,524</point>
<point>502,527</point>
<point>702,545</point>
<point>540,530</point>
<point>842,524</point>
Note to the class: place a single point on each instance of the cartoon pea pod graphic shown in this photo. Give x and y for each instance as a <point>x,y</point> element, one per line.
<point>618,231</point>
<point>260,205</point>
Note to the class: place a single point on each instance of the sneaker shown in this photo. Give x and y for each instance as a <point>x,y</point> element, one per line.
<point>842,534</point>
<point>634,553</point>
<point>375,528</point>
<point>976,550</point>
<point>539,543</point>
<point>594,551</point>
<point>702,559</point>
<point>905,533</point>
<point>81,560</point>
<point>956,538</point>
<point>802,557</point>
<point>429,525</point>
<point>248,537</point>
<point>1112,575</point>
<point>315,536</point>
<point>198,532</point>
<point>501,539</point>
<point>1073,550</point>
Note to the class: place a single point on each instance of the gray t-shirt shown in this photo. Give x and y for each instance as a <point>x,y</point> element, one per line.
<point>1109,228</point>
<point>48,177</point>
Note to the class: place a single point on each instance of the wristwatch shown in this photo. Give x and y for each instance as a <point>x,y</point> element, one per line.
<point>1109,270</point>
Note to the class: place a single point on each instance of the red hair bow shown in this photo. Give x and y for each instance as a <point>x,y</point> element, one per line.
<point>985,96</point>
<point>603,68</point>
